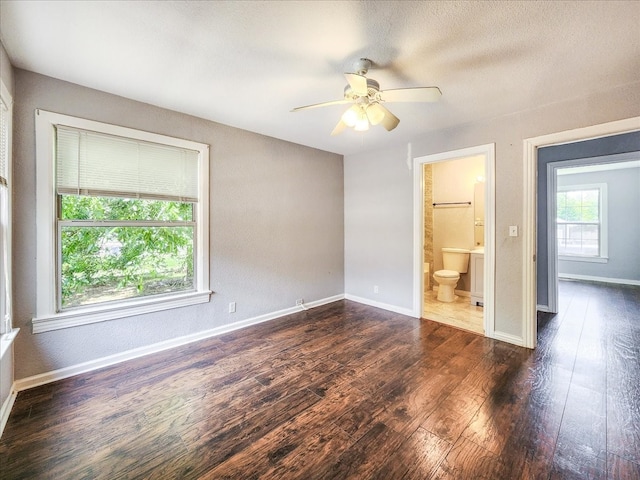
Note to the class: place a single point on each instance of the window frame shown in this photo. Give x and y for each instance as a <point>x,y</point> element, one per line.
<point>603,256</point>
<point>48,317</point>
<point>6,317</point>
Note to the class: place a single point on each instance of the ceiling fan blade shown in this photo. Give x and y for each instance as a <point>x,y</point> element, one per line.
<point>358,84</point>
<point>390,121</point>
<point>339,128</point>
<point>376,113</point>
<point>323,104</point>
<point>417,94</point>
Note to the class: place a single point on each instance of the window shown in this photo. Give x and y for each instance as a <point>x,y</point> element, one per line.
<point>5,209</point>
<point>125,220</point>
<point>581,222</point>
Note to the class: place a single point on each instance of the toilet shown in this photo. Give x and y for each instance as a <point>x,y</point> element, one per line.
<point>455,261</point>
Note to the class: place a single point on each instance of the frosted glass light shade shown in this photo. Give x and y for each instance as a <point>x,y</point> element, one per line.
<point>350,117</point>
<point>362,124</point>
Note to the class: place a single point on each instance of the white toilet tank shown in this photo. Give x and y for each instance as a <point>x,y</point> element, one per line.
<point>456,259</point>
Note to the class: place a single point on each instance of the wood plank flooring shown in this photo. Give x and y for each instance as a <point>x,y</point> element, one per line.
<point>347,391</point>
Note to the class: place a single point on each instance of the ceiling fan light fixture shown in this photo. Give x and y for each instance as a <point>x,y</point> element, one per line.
<point>356,118</point>
<point>362,125</point>
<point>367,101</point>
<point>351,116</point>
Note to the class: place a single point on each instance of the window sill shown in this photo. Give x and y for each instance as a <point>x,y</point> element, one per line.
<point>6,339</point>
<point>103,313</point>
<point>570,258</point>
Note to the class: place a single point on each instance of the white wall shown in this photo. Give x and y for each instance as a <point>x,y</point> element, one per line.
<point>276,226</point>
<point>379,204</point>
<point>623,220</point>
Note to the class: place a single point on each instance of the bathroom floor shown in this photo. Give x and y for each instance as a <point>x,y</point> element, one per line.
<point>460,314</point>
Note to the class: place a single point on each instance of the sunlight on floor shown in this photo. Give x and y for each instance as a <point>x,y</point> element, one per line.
<point>460,314</point>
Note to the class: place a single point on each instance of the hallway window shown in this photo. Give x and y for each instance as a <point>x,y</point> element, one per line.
<point>581,228</point>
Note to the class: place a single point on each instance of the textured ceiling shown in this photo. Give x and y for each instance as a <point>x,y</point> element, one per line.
<point>247,63</point>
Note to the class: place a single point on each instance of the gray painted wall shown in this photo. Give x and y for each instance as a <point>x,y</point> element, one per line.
<point>623,207</point>
<point>276,231</point>
<point>378,219</point>
<point>614,144</point>
<point>379,201</point>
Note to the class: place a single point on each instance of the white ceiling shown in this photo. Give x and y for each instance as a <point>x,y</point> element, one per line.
<point>247,63</point>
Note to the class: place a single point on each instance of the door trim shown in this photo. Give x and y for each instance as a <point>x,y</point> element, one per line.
<point>488,151</point>
<point>530,159</point>
<point>552,254</point>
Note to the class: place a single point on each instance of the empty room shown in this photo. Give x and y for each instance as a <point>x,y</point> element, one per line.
<point>319,239</point>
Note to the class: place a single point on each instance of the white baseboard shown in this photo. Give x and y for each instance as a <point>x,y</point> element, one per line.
<point>5,410</point>
<point>543,308</point>
<point>591,278</point>
<point>384,306</point>
<point>506,337</point>
<point>66,372</point>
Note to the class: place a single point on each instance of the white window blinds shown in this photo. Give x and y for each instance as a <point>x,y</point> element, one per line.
<point>5,212</point>
<point>96,164</point>
<point>4,142</point>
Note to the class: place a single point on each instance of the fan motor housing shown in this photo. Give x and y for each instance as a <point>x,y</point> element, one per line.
<point>373,87</point>
<point>362,66</point>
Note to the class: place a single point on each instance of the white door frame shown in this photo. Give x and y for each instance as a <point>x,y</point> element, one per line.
<point>530,157</point>
<point>488,151</point>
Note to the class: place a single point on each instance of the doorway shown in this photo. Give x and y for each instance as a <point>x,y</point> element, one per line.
<point>531,247</point>
<point>429,254</point>
<point>578,234</point>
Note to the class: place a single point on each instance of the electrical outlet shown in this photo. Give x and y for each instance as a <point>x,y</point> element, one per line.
<point>299,302</point>
<point>375,289</point>
<point>513,230</point>
<point>232,307</point>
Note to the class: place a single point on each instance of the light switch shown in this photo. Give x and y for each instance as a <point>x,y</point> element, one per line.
<point>513,230</point>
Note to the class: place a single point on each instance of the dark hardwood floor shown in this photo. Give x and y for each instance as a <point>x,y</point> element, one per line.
<point>349,391</point>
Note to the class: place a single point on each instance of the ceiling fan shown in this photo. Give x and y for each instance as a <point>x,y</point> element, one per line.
<point>367,101</point>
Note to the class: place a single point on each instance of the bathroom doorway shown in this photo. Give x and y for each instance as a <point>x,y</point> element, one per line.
<point>454,210</point>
